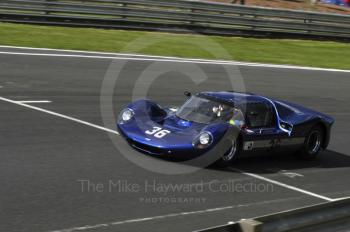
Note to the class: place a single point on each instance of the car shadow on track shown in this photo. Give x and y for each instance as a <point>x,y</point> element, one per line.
<point>276,163</point>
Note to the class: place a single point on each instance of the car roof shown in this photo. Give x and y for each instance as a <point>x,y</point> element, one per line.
<point>233,98</point>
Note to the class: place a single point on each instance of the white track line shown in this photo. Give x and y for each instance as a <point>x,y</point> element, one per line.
<point>59,115</point>
<point>122,56</point>
<point>34,102</point>
<point>115,132</point>
<point>104,225</point>
<point>117,58</point>
<point>97,53</point>
<point>284,185</point>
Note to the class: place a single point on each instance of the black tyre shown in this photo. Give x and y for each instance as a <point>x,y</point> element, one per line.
<point>312,145</point>
<point>230,156</point>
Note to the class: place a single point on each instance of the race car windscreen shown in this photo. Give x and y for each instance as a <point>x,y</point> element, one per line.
<point>202,110</point>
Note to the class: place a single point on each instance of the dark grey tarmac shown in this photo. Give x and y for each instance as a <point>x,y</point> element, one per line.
<point>45,158</point>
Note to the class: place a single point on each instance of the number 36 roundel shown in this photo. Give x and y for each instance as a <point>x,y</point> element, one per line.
<point>157,132</point>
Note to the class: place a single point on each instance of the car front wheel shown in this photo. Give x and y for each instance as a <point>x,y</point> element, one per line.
<point>230,156</point>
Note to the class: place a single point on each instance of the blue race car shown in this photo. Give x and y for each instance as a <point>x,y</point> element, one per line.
<point>229,123</point>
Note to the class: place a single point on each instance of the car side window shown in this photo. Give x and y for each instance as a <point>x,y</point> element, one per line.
<point>259,115</point>
<point>283,110</point>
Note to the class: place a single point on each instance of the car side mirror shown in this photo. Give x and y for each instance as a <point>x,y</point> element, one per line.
<point>187,94</point>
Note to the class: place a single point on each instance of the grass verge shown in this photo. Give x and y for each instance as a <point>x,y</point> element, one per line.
<point>295,52</point>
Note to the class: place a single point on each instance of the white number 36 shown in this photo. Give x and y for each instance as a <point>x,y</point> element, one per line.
<point>157,132</point>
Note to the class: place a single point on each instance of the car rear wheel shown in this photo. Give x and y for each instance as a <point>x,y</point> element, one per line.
<point>230,156</point>
<point>312,145</point>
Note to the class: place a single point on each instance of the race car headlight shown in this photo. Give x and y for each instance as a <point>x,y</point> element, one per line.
<point>126,115</point>
<point>203,140</point>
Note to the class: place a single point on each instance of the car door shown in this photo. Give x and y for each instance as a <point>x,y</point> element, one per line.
<point>262,133</point>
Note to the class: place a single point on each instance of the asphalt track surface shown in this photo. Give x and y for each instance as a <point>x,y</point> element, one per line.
<point>43,157</point>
